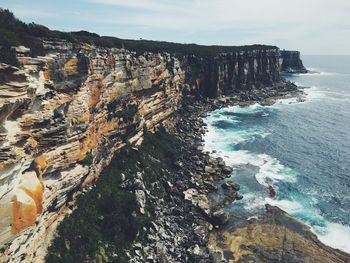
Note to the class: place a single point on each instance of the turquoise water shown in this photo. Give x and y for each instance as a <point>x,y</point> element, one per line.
<point>301,149</point>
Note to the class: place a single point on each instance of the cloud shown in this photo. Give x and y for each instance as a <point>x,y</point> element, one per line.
<point>203,14</point>
<point>24,12</point>
<point>299,24</point>
<point>151,5</point>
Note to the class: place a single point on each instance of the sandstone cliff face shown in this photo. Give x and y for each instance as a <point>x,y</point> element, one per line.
<point>291,62</point>
<point>234,72</point>
<point>81,101</point>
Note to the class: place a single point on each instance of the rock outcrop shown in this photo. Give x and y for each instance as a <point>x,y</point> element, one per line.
<point>64,115</point>
<point>291,62</point>
<point>275,237</point>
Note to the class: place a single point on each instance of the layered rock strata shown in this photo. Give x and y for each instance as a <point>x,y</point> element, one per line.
<point>274,237</point>
<point>77,105</point>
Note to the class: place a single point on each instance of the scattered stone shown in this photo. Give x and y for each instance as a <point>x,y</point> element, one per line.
<point>209,169</point>
<point>272,192</point>
<point>239,197</point>
<point>227,170</point>
<point>140,198</point>
<point>230,185</point>
<point>220,217</point>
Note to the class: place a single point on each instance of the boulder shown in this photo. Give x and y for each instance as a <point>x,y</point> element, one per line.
<point>272,192</point>
<point>230,185</point>
<point>227,170</point>
<point>229,198</point>
<point>140,198</point>
<point>220,217</point>
<point>209,169</point>
<point>239,197</point>
<point>196,253</point>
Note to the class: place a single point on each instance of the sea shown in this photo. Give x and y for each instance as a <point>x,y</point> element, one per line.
<point>301,149</point>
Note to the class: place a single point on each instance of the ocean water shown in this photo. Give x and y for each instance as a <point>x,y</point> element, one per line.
<point>302,149</point>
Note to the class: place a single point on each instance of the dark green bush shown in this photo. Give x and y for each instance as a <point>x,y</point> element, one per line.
<point>57,114</point>
<point>127,114</point>
<point>88,160</point>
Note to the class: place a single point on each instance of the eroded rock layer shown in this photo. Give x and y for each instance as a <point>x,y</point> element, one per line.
<point>63,116</point>
<point>274,237</point>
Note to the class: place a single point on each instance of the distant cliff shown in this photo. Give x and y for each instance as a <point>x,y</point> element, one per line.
<point>291,62</point>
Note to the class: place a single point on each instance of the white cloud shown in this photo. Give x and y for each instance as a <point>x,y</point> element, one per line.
<point>203,14</point>
<point>302,24</point>
<point>290,23</point>
<point>24,12</point>
<point>151,5</point>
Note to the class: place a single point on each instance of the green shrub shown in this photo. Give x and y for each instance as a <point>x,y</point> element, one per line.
<point>88,160</point>
<point>127,114</point>
<point>57,114</point>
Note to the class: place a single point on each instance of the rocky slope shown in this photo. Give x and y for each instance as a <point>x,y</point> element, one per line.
<point>77,105</point>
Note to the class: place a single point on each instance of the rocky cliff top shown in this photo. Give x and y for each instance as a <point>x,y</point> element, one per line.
<point>17,33</point>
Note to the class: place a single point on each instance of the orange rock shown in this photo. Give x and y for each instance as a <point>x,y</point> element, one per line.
<point>71,67</point>
<point>94,135</point>
<point>34,188</point>
<point>41,162</point>
<point>46,74</point>
<point>85,117</point>
<point>24,211</point>
<point>95,93</point>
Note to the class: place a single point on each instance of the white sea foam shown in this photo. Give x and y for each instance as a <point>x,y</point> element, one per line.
<point>252,201</point>
<point>315,93</point>
<point>334,235</point>
<point>317,72</point>
<point>271,171</point>
<point>286,205</point>
<point>265,134</point>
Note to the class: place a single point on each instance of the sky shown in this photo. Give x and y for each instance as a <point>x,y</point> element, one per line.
<point>310,26</point>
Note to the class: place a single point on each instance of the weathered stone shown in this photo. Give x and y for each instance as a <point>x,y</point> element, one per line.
<point>276,237</point>
<point>220,217</point>
<point>230,185</point>
<point>209,169</point>
<point>227,170</point>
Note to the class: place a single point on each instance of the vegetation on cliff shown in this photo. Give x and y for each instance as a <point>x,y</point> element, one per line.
<point>107,218</point>
<point>14,32</point>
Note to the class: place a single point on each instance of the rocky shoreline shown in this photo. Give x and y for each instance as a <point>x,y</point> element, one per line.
<point>185,217</point>
<point>188,228</point>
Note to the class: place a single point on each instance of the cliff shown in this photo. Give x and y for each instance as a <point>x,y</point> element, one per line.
<point>63,116</point>
<point>291,62</point>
